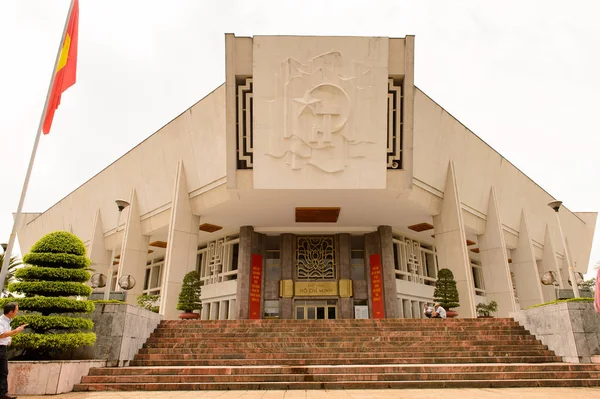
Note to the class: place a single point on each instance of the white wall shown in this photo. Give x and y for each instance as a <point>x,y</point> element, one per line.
<point>197,136</point>
<point>440,138</point>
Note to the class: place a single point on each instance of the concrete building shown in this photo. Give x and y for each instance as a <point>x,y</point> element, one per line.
<point>319,182</point>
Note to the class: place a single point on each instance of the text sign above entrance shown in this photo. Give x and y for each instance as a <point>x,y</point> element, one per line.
<point>315,288</point>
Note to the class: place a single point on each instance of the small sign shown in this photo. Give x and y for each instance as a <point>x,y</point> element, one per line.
<point>316,288</point>
<point>361,312</point>
<point>377,308</point>
<point>255,286</point>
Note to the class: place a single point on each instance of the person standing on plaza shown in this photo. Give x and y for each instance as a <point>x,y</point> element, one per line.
<point>10,310</point>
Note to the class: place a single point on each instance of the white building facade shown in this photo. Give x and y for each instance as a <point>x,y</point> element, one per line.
<point>319,182</point>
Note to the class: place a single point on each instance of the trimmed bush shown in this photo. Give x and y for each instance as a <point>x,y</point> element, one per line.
<point>44,343</point>
<point>445,290</point>
<point>46,305</point>
<point>57,260</point>
<point>50,288</point>
<point>34,273</point>
<point>59,242</point>
<point>189,297</point>
<point>55,268</point>
<point>44,323</point>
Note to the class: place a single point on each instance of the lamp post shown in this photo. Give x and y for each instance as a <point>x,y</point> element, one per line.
<point>121,204</point>
<point>555,205</point>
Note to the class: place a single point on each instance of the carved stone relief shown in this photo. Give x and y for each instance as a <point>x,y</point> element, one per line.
<point>320,110</point>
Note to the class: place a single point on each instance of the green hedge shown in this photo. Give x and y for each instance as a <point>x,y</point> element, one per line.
<point>53,342</point>
<point>51,305</point>
<point>43,323</point>
<point>59,242</point>
<point>34,273</point>
<point>50,288</point>
<point>68,261</point>
<point>561,301</point>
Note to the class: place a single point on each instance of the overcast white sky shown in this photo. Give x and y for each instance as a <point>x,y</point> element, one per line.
<point>523,75</point>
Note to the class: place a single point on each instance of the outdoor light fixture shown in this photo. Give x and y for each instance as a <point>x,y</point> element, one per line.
<point>127,282</point>
<point>555,205</point>
<point>98,280</point>
<point>121,204</point>
<point>578,279</point>
<point>549,278</point>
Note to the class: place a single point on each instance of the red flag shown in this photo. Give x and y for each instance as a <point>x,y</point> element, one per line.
<point>66,69</point>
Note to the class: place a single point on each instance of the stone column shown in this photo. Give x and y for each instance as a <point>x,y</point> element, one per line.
<point>182,245</point>
<point>344,257</point>
<point>223,310</point>
<point>134,250</point>
<point>205,313</point>
<point>496,272</point>
<point>98,253</point>
<point>231,312</point>
<point>244,269</point>
<point>524,266</point>
<point>388,271</point>
<point>287,273</point>
<point>451,244</point>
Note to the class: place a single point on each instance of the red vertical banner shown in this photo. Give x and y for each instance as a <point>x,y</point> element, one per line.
<point>377,308</point>
<point>255,286</point>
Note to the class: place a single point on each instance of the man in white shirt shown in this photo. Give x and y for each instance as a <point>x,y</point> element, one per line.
<point>427,310</point>
<point>10,310</point>
<point>439,312</point>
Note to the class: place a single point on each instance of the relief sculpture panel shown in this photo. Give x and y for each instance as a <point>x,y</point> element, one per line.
<point>320,107</point>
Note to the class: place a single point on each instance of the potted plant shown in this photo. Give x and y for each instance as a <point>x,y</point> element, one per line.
<point>446,293</point>
<point>189,297</point>
<point>484,310</point>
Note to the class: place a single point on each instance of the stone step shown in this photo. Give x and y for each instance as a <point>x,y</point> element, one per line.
<point>348,329</point>
<point>414,347</point>
<point>336,334</point>
<point>345,361</point>
<point>280,322</point>
<point>352,340</point>
<point>577,382</point>
<point>340,345</point>
<point>354,369</point>
<point>355,355</point>
<point>179,379</point>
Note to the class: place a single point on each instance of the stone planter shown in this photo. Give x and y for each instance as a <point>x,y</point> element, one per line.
<point>570,329</point>
<point>451,313</point>
<point>189,316</point>
<point>47,377</point>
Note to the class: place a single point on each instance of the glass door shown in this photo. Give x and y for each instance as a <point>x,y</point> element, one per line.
<point>316,310</point>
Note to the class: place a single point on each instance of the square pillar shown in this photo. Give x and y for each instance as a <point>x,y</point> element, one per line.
<point>344,257</point>
<point>287,259</point>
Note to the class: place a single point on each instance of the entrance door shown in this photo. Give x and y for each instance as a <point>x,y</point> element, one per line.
<point>316,310</point>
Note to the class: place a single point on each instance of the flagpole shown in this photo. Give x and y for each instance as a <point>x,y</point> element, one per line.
<point>13,234</point>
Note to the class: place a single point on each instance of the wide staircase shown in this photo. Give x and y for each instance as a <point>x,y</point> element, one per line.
<point>341,354</point>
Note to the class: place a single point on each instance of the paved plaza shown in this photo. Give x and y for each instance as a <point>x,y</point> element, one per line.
<point>500,393</point>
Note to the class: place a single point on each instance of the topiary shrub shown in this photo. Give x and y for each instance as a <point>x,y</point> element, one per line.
<point>52,282</point>
<point>445,290</point>
<point>189,297</point>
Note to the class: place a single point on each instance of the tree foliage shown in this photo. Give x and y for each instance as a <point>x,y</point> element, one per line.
<point>189,297</point>
<point>445,290</point>
<point>53,284</point>
<point>13,267</point>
